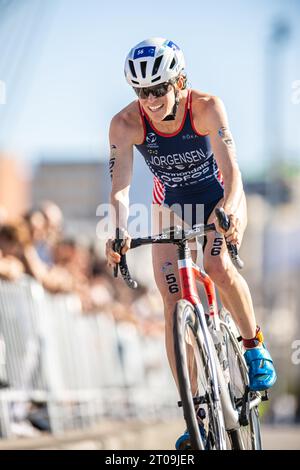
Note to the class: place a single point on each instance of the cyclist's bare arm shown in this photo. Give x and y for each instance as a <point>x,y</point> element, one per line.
<point>122,136</point>
<point>214,121</point>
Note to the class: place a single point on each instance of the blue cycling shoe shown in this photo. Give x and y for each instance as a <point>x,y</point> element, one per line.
<point>262,374</point>
<point>183,442</point>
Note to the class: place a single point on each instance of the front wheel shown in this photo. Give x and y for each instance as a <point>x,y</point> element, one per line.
<point>201,411</point>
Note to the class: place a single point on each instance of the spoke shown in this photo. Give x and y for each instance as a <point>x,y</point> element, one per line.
<point>248,433</point>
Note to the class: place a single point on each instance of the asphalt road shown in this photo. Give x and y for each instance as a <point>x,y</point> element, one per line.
<point>281,437</point>
<point>137,435</point>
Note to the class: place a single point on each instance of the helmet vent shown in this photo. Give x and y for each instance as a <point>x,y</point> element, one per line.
<point>173,63</point>
<point>155,79</point>
<point>132,69</point>
<point>156,65</point>
<point>143,68</point>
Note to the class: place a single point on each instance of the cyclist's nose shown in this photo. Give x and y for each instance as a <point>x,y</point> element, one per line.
<point>151,98</point>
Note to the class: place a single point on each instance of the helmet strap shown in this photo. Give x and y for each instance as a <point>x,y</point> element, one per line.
<point>172,115</point>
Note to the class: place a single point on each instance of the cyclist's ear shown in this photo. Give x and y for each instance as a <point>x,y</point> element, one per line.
<point>181,82</point>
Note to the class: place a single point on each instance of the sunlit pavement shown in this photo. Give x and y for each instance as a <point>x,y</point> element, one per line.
<point>137,435</point>
<point>281,437</point>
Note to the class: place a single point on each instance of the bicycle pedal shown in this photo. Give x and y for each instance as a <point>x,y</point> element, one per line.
<point>197,401</point>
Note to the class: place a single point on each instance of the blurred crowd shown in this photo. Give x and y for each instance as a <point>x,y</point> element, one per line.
<point>35,245</point>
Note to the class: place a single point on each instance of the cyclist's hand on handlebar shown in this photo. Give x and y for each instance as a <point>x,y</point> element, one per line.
<point>112,256</point>
<point>233,234</point>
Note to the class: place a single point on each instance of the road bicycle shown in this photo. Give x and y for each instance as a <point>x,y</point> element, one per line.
<point>219,409</point>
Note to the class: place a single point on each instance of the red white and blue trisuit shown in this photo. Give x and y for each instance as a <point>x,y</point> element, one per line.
<point>184,168</point>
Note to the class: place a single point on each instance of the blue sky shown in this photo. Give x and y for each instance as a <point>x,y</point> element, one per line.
<point>72,80</point>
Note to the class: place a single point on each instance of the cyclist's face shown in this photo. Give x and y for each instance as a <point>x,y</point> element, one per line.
<point>158,105</point>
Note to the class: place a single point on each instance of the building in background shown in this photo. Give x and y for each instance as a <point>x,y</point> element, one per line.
<point>77,188</point>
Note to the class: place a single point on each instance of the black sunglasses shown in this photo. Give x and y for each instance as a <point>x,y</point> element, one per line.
<point>159,90</point>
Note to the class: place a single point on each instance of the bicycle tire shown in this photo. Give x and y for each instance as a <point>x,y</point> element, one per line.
<point>186,331</point>
<point>247,437</point>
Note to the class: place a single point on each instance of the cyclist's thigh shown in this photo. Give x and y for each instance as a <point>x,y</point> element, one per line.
<point>166,272</point>
<point>165,257</point>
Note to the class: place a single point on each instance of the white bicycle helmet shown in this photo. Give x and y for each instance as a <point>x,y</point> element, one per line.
<point>153,61</point>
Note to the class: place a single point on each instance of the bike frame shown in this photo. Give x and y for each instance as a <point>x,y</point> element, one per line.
<point>189,274</point>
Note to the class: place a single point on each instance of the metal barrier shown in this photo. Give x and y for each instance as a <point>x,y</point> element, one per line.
<point>83,366</point>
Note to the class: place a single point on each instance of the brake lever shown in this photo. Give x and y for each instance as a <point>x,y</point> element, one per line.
<point>117,246</point>
<point>224,222</point>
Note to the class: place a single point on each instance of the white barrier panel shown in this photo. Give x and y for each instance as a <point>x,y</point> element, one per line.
<point>84,366</point>
<point>20,332</point>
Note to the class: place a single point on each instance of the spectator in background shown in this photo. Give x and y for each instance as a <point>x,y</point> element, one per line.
<point>34,246</point>
<point>76,259</point>
<point>37,225</point>
<point>11,268</point>
<point>54,221</point>
<point>53,278</point>
<point>45,224</point>
<point>102,288</point>
<point>17,249</point>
